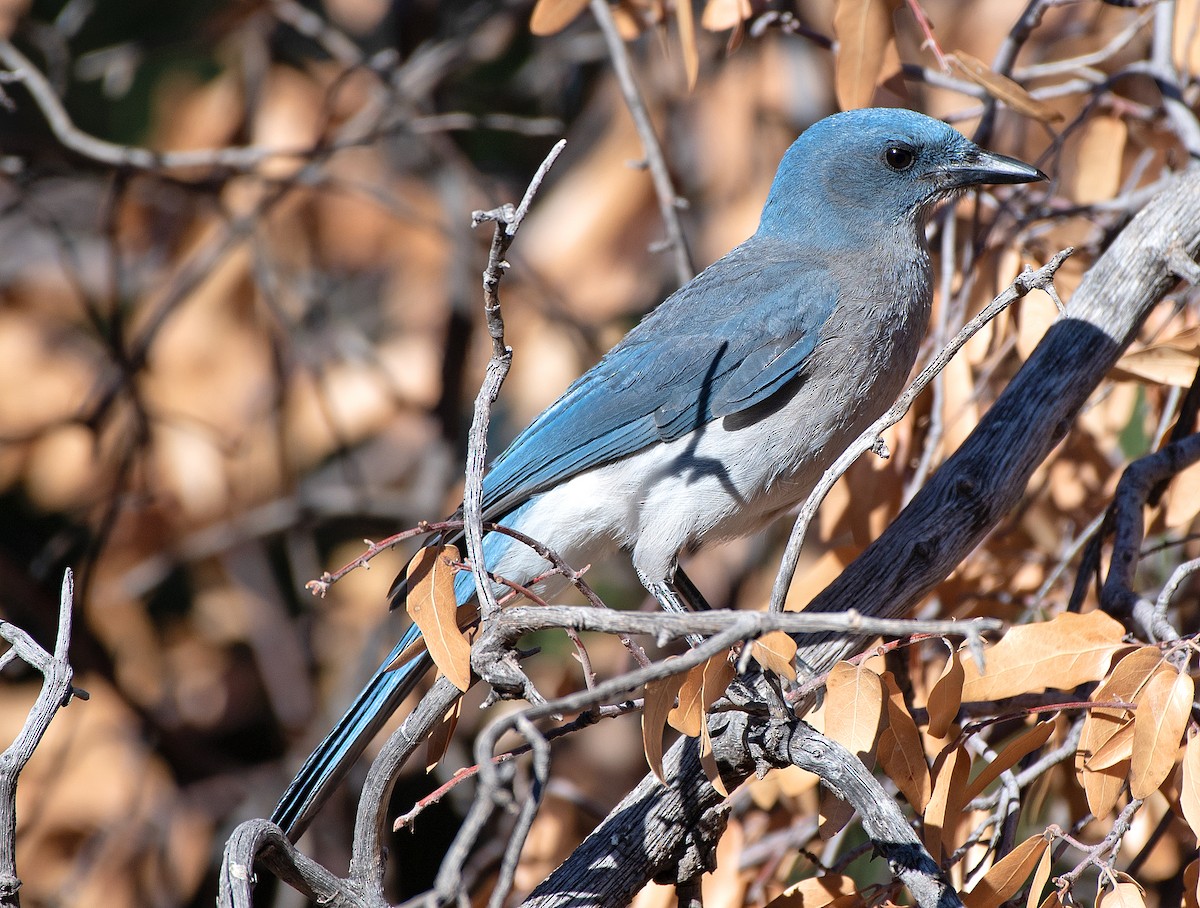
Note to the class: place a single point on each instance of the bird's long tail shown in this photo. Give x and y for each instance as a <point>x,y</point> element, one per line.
<point>334,756</point>
<point>382,696</point>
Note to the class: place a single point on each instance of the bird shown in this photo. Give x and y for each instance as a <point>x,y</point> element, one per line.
<point>720,411</point>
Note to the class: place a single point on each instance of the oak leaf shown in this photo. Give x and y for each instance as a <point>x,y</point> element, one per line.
<point>863,29</point>
<point>900,752</point>
<point>432,605</point>
<point>817,892</point>
<point>658,702</point>
<point>1158,725</point>
<point>853,709</point>
<point>552,16</point>
<point>1007,875</point>
<point>1062,653</point>
<point>1017,749</point>
<point>1189,795</point>
<point>776,652</point>
<point>946,697</point>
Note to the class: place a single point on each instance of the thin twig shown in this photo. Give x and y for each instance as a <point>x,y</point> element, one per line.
<point>56,693</point>
<point>871,439</point>
<point>507,222</point>
<point>668,202</point>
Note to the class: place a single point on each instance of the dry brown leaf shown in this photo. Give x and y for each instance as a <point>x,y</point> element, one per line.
<point>440,737</point>
<point>1062,653</point>
<point>945,803</point>
<point>863,29</point>
<point>1158,726</point>
<point>946,697</point>
<point>1052,901</point>
<point>776,652</point>
<point>1163,364</point>
<point>900,752</point>
<point>1103,787</point>
<point>432,605</point>
<point>552,16</point>
<point>1117,749</point>
<point>1123,895</point>
<point>1024,744</point>
<point>853,709</point>
<point>1002,88</point>
<point>687,41</point>
<point>466,616</point>
<point>720,15</point>
<point>1185,37</point>
<point>1040,877</point>
<point>1183,497</point>
<point>1098,160</point>
<point>1007,875</point>
<point>708,763</point>
<point>1189,795</point>
<point>687,717</point>
<point>1124,683</point>
<point>659,700</point>
<point>818,892</point>
<point>1191,885</point>
<point>701,688</point>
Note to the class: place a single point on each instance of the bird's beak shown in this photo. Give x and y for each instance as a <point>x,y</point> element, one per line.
<point>978,167</point>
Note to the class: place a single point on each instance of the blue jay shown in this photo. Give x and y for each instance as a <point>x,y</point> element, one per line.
<point>721,410</point>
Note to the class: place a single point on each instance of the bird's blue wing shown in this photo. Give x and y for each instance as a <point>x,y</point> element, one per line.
<point>726,341</point>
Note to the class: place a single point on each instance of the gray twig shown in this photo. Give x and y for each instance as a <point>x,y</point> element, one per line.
<point>668,202</point>
<point>56,693</point>
<point>872,438</point>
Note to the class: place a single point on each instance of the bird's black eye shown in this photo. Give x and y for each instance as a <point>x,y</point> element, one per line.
<point>898,157</point>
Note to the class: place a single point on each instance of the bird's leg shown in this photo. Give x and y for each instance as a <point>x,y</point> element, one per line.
<point>679,595</point>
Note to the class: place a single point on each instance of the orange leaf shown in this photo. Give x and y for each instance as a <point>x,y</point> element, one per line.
<point>687,41</point>
<point>720,15</point>
<point>1016,750</point>
<point>659,700</point>
<point>1002,88</point>
<point>1164,364</point>
<point>1158,725</point>
<point>1189,796</point>
<point>1062,653</point>
<point>946,697</point>
<point>552,16</point>
<point>1098,160</point>
<point>945,803</point>
<point>1191,885</point>
<point>1117,749</point>
<point>440,736</point>
<point>776,652</point>
<point>1007,875</point>
<point>1123,895</point>
<point>701,688</point>
<point>900,752</point>
<point>863,29</point>
<point>466,616</point>
<point>853,709</point>
<point>1040,877</point>
<point>432,605</point>
<point>817,892</point>
<point>1103,785</point>
<point>687,717</point>
<point>709,763</point>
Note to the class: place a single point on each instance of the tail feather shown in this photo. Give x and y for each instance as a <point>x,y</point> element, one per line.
<point>329,763</point>
<point>334,756</point>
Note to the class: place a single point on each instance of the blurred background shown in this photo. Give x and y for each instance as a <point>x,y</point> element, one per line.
<point>223,368</point>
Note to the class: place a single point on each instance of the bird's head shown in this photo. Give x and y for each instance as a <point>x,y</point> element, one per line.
<point>878,167</point>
